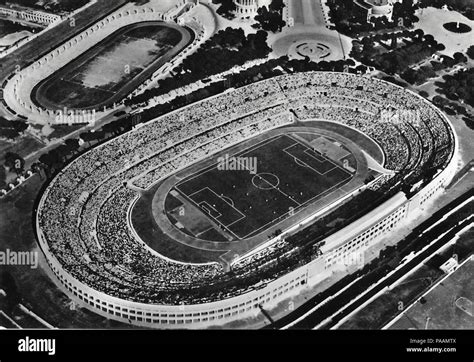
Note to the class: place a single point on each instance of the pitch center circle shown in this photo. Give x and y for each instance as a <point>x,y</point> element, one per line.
<point>265,181</point>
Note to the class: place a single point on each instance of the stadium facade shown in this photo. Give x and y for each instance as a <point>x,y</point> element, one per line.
<point>357,237</point>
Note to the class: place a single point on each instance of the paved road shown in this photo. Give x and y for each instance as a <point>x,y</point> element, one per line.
<point>307,12</point>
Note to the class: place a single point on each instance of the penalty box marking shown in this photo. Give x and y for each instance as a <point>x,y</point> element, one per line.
<point>243,216</point>
<point>302,163</point>
<point>324,157</point>
<point>207,215</point>
<point>209,209</point>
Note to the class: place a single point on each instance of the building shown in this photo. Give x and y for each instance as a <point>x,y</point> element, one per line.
<point>246,8</point>
<point>449,266</point>
<point>347,248</point>
<point>29,15</point>
<point>378,8</point>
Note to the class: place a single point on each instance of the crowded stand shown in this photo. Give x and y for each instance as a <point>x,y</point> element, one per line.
<point>84,210</point>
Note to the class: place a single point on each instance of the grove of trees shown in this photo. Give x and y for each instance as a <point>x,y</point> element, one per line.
<point>12,129</point>
<point>226,49</point>
<point>271,19</point>
<point>458,87</point>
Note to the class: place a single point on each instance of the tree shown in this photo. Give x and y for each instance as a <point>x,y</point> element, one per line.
<point>459,57</point>
<point>470,52</point>
<point>12,129</point>
<point>72,144</point>
<point>19,126</point>
<point>270,20</point>
<point>63,152</point>
<point>277,5</point>
<point>3,177</point>
<point>14,162</point>
<point>51,161</point>
<point>226,9</point>
<point>87,137</point>
<point>8,284</point>
<point>419,33</point>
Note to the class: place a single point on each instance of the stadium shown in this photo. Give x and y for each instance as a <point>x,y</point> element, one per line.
<point>156,228</point>
<point>115,58</point>
<point>99,78</point>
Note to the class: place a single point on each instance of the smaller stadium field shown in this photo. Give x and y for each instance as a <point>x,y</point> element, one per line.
<point>114,67</point>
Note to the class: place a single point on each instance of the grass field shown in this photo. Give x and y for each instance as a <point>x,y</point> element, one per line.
<point>441,307</point>
<point>290,173</point>
<point>57,35</point>
<point>22,146</point>
<point>436,305</point>
<point>95,78</point>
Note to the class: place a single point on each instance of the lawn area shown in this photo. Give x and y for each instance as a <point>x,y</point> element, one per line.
<point>24,146</point>
<point>431,22</point>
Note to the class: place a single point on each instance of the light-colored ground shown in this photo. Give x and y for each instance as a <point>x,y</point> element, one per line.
<point>440,310</point>
<point>13,38</point>
<point>309,27</point>
<point>236,23</point>
<point>431,22</point>
<point>162,5</point>
<point>466,137</point>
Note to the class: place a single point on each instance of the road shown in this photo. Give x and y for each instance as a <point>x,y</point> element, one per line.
<point>307,12</point>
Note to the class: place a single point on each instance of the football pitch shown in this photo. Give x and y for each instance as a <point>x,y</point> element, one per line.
<point>247,192</point>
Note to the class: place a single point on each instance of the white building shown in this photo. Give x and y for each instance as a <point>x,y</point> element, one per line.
<point>34,16</point>
<point>449,266</point>
<point>249,7</point>
<point>378,8</point>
